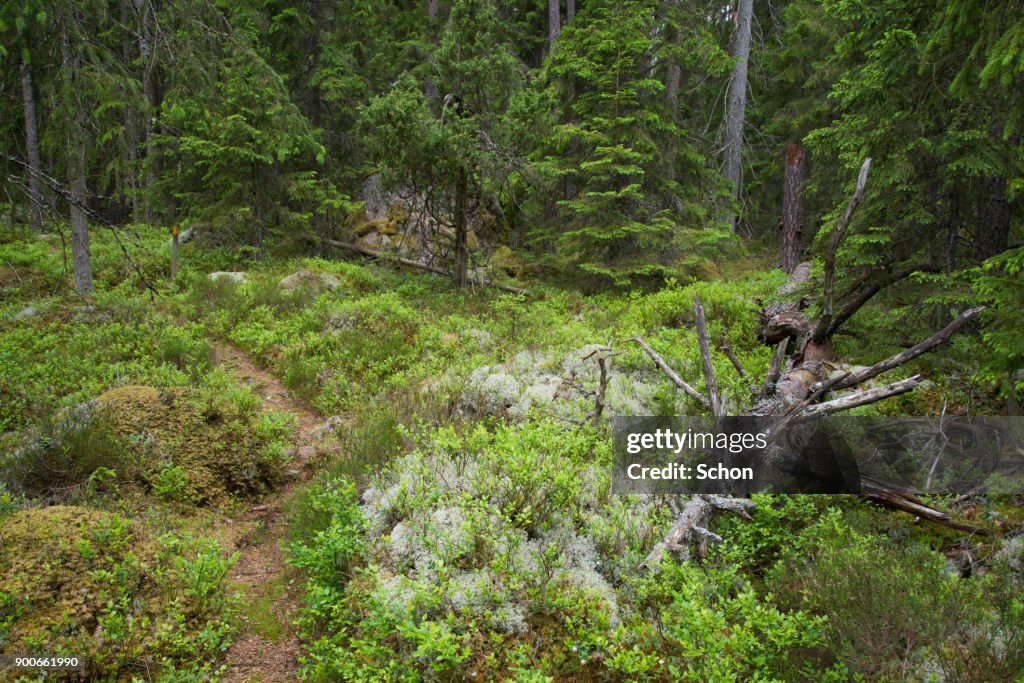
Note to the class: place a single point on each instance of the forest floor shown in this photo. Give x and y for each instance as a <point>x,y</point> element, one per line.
<point>267,647</point>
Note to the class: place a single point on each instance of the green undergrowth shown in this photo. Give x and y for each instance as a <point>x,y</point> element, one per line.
<point>77,581</point>
<point>464,530</point>
<point>122,450</point>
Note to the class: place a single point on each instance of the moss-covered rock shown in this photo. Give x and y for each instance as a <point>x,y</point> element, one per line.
<point>212,441</point>
<point>59,567</point>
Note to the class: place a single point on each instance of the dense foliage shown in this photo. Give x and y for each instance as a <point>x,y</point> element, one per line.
<point>433,465</point>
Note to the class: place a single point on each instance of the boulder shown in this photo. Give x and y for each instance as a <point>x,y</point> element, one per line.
<point>235,277</point>
<point>306,278</point>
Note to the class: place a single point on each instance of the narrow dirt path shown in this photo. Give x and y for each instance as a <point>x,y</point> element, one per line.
<point>267,648</point>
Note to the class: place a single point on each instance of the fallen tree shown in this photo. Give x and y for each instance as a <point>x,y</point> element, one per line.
<point>797,385</point>
<point>348,246</point>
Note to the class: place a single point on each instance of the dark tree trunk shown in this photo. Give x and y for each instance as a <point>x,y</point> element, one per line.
<point>35,195</point>
<point>461,247</point>
<point>432,9</point>
<point>792,208</point>
<point>554,23</point>
<point>736,103</point>
<point>570,11</point>
<point>993,233</point>
<point>154,98</point>
<point>131,122</point>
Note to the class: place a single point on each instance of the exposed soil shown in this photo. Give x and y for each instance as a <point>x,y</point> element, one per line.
<point>267,649</point>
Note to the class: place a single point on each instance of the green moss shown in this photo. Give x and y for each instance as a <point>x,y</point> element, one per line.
<point>260,611</point>
<point>62,565</point>
<point>214,441</point>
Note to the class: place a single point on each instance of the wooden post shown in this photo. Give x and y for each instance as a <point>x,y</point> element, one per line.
<point>174,251</point>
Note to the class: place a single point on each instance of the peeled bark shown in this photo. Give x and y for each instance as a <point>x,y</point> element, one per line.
<point>554,23</point>
<point>792,209</point>
<point>35,195</point>
<point>736,103</point>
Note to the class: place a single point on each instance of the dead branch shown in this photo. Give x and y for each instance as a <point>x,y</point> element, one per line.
<point>727,350</point>
<point>863,398</point>
<point>867,291</point>
<point>910,503</point>
<point>820,331</point>
<point>705,358</point>
<point>422,266</point>
<point>691,525</point>
<point>671,374</point>
<point>774,368</point>
<point>937,339</point>
<point>602,385</point>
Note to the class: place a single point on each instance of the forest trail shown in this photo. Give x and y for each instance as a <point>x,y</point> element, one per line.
<point>267,648</point>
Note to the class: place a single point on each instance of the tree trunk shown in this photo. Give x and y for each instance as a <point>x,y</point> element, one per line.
<point>673,75</point>
<point>35,195</point>
<point>792,208</point>
<point>154,97</point>
<point>432,9</point>
<point>461,248</point>
<point>131,122</point>
<point>79,219</point>
<point>993,233</point>
<point>554,23</point>
<point>570,11</point>
<point>736,103</point>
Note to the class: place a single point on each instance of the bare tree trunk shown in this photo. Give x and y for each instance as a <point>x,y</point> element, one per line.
<point>554,23</point>
<point>993,234</point>
<point>792,208</point>
<point>79,219</point>
<point>432,9</point>
<point>736,103</point>
<point>35,195</point>
<point>570,11</point>
<point>461,248</point>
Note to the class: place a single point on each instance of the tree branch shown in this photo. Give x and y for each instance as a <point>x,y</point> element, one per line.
<point>727,350</point>
<point>676,379</point>
<point>820,331</point>
<point>937,339</point>
<point>691,525</point>
<point>774,368</point>
<point>705,358</point>
<point>866,294</point>
<point>862,398</point>
<point>416,264</point>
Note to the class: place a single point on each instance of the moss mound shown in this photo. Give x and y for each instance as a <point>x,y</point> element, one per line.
<point>211,447</point>
<point>59,568</point>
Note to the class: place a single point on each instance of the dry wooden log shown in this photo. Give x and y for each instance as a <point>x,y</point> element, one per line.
<point>422,266</point>
<point>910,503</point>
